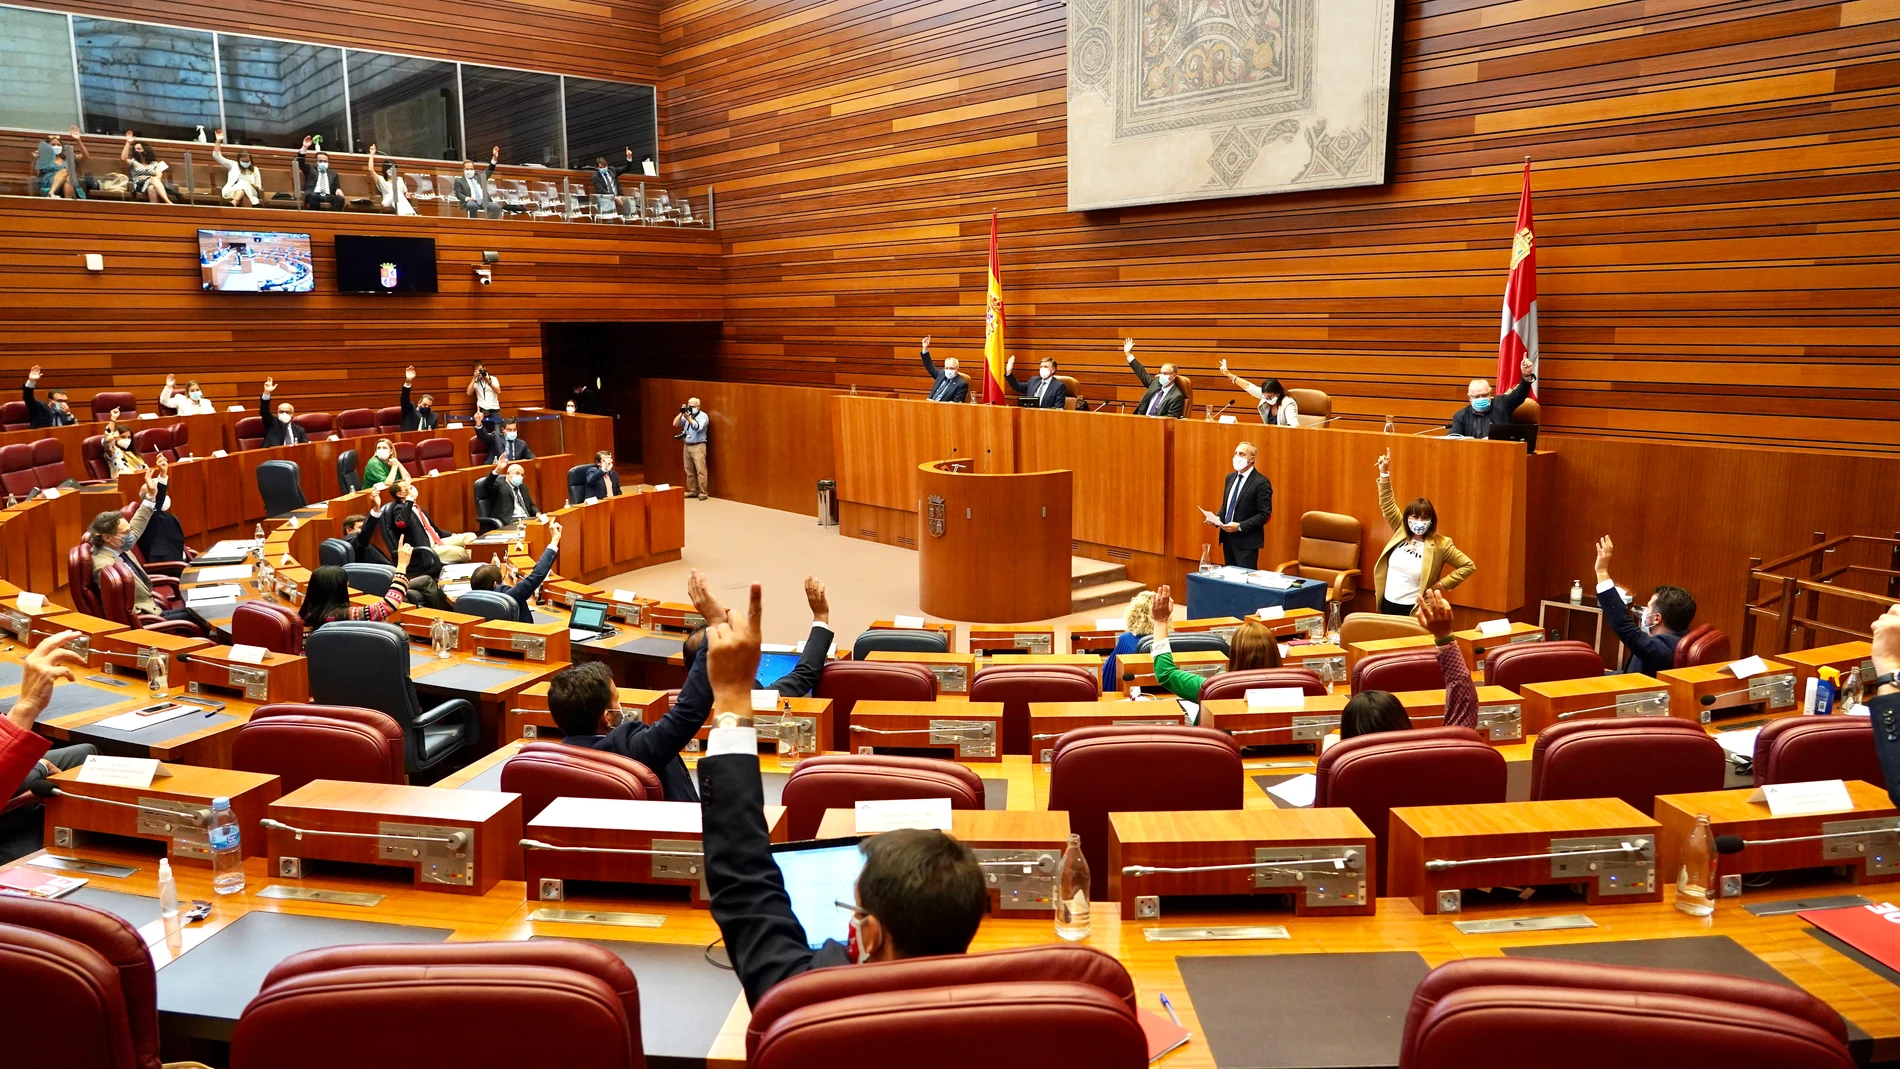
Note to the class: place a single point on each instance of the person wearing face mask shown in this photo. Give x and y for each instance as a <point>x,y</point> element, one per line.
<point>420,416</point>
<point>279,428</point>
<point>606,178</point>
<point>484,392</point>
<point>144,172</point>
<point>601,481</point>
<point>1652,636</point>
<point>946,385</point>
<point>389,185</point>
<point>475,193</point>
<point>383,467</point>
<point>1246,506</point>
<point>692,424</point>
<point>191,401</point>
<point>58,171</point>
<point>406,522</point>
<point>111,537</point>
<point>1164,396</point>
<point>117,440</point>
<point>503,496</point>
<point>1275,407</point>
<point>489,577</point>
<point>358,532</point>
<point>320,188</point>
<point>507,445</point>
<point>243,182</point>
<point>1046,388</point>
<point>1487,410</point>
<point>53,412</point>
<point>1415,557</point>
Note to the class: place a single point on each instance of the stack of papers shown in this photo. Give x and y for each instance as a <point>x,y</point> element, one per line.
<point>1270,580</point>
<point>200,595</point>
<point>455,572</point>
<point>135,720</point>
<point>1298,791</point>
<point>1739,743</point>
<point>223,573</point>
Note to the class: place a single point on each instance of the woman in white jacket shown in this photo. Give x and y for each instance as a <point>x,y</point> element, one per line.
<point>1276,408</point>
<point>390,185</point>
<point>243,182</point>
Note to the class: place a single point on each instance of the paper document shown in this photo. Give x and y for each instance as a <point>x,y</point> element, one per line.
<point>907,623</point>
<point>222,573</point>
<point>230,547</point>
<point>1803,799</point>
<point>200,595</point>
<point>136,772</point>
<point>1276,698</point>
<point>1748,666</point>
<point>1741,742</point>
<point>135,720</point>
<point>1298,791</point>
<point>456,572</point>
<point>1209,517</point>
<point>890,814</point>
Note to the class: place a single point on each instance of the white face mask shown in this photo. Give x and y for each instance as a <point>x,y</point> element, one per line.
<point>283,417</point>
<point>515,480</point>
<point>196,394</point>
<point>570,408</point>
<point>1165,380</point>
<point>1418,527</point>
<point>1045,373</point>
<point>510,435</point>
<point>950,373</point>
<point>125,443</point>
<point>382,454</point>
<point>1241,463</point>
<point>321,166</point>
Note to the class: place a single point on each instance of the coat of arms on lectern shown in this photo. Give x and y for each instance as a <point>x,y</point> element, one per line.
<point>936,515</point>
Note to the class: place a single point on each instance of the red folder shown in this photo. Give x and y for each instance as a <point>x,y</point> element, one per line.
<point>32,883</point>
<point>1163,1035</point>
<point>1872,930</point>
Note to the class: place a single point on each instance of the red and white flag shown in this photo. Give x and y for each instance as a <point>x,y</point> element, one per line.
<point>1518,338</point>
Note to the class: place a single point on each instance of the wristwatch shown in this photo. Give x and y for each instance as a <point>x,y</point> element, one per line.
<point>1891,679</point>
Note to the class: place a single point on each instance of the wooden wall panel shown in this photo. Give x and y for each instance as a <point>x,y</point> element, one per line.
<point>879,445</point>
<point>1121,473</point>
<point>1716,208</point>
<point>767,445</point>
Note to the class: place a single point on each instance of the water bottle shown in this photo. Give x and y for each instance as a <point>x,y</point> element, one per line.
<point>1072,892</point>
<point>258,537</point>
<point>157,673</point>
<point>227,860</point>
<point>1333,610</point>
<point>1207,555</point>
<point>1576,592</point>
<point>1698,870</point>
<point>1391,425</point>
<point>1850,693</point>
<point>168,897</point>
<point>442,638</point>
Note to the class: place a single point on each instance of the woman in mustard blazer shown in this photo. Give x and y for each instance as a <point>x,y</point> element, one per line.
<point>1415,557</point>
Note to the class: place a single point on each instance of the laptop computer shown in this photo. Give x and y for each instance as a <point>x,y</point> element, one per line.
<point>774,667</point>
<point>588,622</point>
<point>819,874</point>
<point>1516,432</point>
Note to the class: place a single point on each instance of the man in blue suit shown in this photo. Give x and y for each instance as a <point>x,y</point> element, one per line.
<point>601,480</point>
<point>1652,639</point>
<point>1045,387</point>
<point>948,384</point>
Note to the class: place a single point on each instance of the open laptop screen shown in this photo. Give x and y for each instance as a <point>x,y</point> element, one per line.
<point>819,874</point>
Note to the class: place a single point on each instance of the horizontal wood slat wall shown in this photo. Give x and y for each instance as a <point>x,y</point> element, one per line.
<point>1716,190</point>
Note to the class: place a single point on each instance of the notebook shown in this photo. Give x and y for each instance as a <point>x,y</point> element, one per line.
<point>32,883</point>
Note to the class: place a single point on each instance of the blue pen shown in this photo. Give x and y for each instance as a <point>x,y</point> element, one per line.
<point>1169,1006</point>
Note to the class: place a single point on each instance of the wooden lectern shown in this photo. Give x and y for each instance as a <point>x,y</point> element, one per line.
<point>993,548</point>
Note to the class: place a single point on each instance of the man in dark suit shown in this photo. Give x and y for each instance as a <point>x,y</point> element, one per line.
<point>521,591</point>
<point>948,384</point>
<point>606,177</point>
<point>920,892</point>
<point>601,480</point>
<point>319,182</point>
<point>357,531</point>
<point>1486,410</point>
<point>1164,396</point>
<point>53,412</point>
<point>1652,641</point>
<point>503,495</point>
<point>507,445</point>
<point>405,520</point>
<point>279,429</point>
<point>164,537</point>
<point>1246,506</point>
<point>417,417</point>
<point>1882,697</point>
<point>477,195</point>
<point>1046,388</point>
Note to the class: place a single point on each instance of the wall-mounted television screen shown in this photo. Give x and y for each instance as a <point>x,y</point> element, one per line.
<point>248,261</point>
<point>368,264</point>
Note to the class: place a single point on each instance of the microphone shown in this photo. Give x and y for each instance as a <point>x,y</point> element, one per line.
<point>1730,844</point>
<point>536,844</point>
<point>1325,421</point>
<point>1351,862</point>
<point>1657,698</point>
<point>197,818</point>
<point>456,840</point>
<point>1735,844</point>
<point>1711,699</point>
<point>1639,847</point>
<point>1212,416</point>
<point>1428,430</point>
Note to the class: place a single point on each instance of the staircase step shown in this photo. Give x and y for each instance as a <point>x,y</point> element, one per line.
<point>1083,599</point>
<point>1086,571</point>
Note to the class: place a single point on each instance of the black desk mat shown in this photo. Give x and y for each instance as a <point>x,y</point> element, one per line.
<point>157,734</point>
<point>684,1000</point>
<point>643,645</point>
<point>542,616</point>
<point>201,992</point>
<point>136,910</point>
<point>75,697</point>
<point>11,672</point>
<point>420,659</point>
<point>1299,1011</point>
<point>995,791</point>
<point>471,677</point>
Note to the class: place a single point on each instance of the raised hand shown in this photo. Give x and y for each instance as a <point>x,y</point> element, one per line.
<point>1223,368</point>
<point>494,154</point>
<point>129,138</point>
<point>815,597</point>
<point>1009,366</point>
<point>1605,550</point>
<point>1385,464</point>
<point>554,536</point>
<point>164,466</point>
<point>306,143</point>
<point>403,553</point>
<point>372,148</point>
<point>219,134</point>
<point>732,651</point>
<point>1887,642</point>
<point>114,417</point>
<point>49,663</point>
<point>409,374</point>
<point>33,373</point>
<point>170,381</point>
<point>702,598</point>
<point>1128,347</point>
<point>924,346</point>
<point>1434,614</point>
<point>1163,609</point>
<point>1527,369</point>
<point>270,385</point>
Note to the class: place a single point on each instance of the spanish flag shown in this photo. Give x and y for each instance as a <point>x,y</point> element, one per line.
<point>993,327</point>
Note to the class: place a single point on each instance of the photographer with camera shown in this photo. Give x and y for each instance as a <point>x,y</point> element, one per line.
<point>692,424</point>
<point>485,390</point>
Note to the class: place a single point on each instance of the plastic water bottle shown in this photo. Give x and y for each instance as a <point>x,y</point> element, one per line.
<point>258,537</point>
<point>1207,558</point>
<point>1332,623</point>
<point>1698,870</point>
<point>1072,892</point>
<point>168,897</point>
<point>227,860</point>
<point>442,638</point>
<point>157,673</point>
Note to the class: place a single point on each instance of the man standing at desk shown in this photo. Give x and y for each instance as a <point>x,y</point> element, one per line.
<point>948,384</point>
<point>1246,506</point>
<point>1164,396</point>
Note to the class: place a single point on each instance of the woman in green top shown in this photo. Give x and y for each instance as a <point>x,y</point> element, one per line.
<point>1251,647</point>
<point>384,465</point>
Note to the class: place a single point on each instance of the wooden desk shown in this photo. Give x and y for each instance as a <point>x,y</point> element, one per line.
<point>1731,813</point>
<point>1420,834</point>
<point>1592,698</point>
<point>963,730</point>
<point>1203,663</point>
<point>1475,644</point>
<point>1842,657</point>
<point>1237,837</point>
<point>954,671</point>
<point>493,698</point>
<point>994,542</point>
<point>1049,721</point>
<point>1710,692</point>
<point>528,716</point>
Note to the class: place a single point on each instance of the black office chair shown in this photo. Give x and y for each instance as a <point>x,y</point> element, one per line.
<point>369,578</point>
<point>423,561</point>
<point>485,520</point>
<point>346,473</point>
<point>366,664</point>
<point>896,641</point>
<point>577,483</point>
<point>336,552</point>
<point>1187,642</point>
<point>489,605</point>
<point>280,483</point>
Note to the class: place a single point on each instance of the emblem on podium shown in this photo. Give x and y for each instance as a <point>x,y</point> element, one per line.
<point>936,513</point>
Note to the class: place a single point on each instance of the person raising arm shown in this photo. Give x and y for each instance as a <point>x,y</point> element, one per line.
<point>421,416</point>
<point>1275,407</point>
<point>1251,647</point>
<point>1883,698</point>
<point>1653,636</point>
<point>21,750</point>
<point>1415,557</point>
<point>1373,711</point>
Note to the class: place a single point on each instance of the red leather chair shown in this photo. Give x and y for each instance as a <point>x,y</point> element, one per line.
<point>1702,645</point>
<point>170,568</point>
<point>267,624</point>
<point>1491,1012</point>
<point>434,454</point>
<point>540,772</point>
<point>1516,664</point>
<point>77,987</point>
<point>92,456</point>
<point>389,420</point>
<point>417,1002</point>
<point>318,425</point>
<point>125,401</point>
<point>477,451</point>
<point>300,743</point>
<point>49,463</point>
<point>841,781</point>
<point>1096,771</point>
<point>1635,760</point>
<point>181,439</point>
<point>15,417</point>
<point>109,594</point>
<point>805,1020</point>
<point>357,421</point>
<point>1373,774</point>
<point>1801,749</point>
<point>406,453</point>
<point>250,432</point>
<point>16,469</point>
<point>1016,685</point>
<point>152,442</point>
<point>1398,671</point>
<point>1237,684</point>
<point>848,682</point>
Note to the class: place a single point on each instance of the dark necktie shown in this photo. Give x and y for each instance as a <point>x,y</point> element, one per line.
<point>1154,406</point>
<point>1233,496</point>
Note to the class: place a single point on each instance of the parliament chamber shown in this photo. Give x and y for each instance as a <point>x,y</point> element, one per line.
<point>1232,647</point>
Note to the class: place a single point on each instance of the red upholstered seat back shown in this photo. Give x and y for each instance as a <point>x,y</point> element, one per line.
<point>1702,645</point>
<point>117,590</point>
<point>435,454</point>
<point>1066,963</point>
<point>1515,664</point>
<point>841,781</point>
<point>79,579</point>
<point>357,421</point>
<point>1016,685</point>
<point>1801,749</point>
<point>1237,684</point>
<point>301,743</point>
<point>847,683</point>
<point>16,468</point>
<point>477,451</point>
<point>540,772</point>
<point>14,416</point>
<point>77,987</point>
<point>266,624</point>
<point>316,424</point>
<point>406,453</point>
<point>181,440</point>
<point>92,452</point>
<point>49,462</point>
<point>460,1004</point>
<point>1634,759</point>
<point>1494,1012</point>
<point>1398,670</point>
<point>1096,771</point>
<point>389,420</point>
<point>152,441</point>
<point>250,432</point>
<point>1373,774</point>
<point>125,401</point>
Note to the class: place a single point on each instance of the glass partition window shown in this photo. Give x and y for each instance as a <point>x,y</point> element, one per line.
<point>405,106</point>
<point>37,90</point>
<point>277,92</point>
<point>516,110</point>
<point>156,80</point>
<point>604,119</point>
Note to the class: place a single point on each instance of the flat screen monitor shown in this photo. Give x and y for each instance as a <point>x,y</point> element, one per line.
<point>255,261</point>
<point>819,874</point>
<point>774,667</point>
<point>369,264</point>
<point>589,616</point>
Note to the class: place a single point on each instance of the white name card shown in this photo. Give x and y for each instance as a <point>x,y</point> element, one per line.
<point>1802,799</point>
<point>623,595</point>
<point>1748,666</point>
<point>1110,623</point>
<point>219,453</point>
<point>148,415</point>
<point>1230,419</point>
<point>591,501</point>
<point>437,471</point>
<point>30,602</point>
<point>765,700</point>
<point>335,438</point>
<point>663,486</point>
<point>244,654</point>
<point>909,623</point>
<point>135,772</point>
<point>455,426</point>
<point>1494,628</point>
<point>1276,698</point>
<point>50,493</point>
<point>235,408</point>
<point>890,814</point>
<point>1271,612</point>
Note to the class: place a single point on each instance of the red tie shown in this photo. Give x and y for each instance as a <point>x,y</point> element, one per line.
<point>427,527</point>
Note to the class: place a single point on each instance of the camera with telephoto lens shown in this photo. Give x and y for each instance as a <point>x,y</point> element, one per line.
<point>681,436</point>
